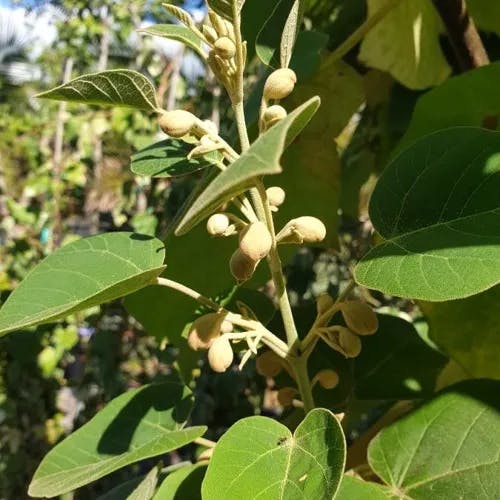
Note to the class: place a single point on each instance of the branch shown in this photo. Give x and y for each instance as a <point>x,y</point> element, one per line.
<point>463,35</point>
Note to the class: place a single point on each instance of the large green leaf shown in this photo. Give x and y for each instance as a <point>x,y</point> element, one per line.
<point>446,449</point>
<point>311,172</point>
<point>406,43</point>
<point>260,458</point>
<point>83,274</point>
<point>167,158</point>
<point>468,330</point>
<point>352,488</point>
<point>175,32</point>
<point>116,87</point>
<point>437,207</point>
<point>396,363</point>
<point>261,159</point>
<point>183,484</point>
<point>476,91</point>
<point>139,424</point>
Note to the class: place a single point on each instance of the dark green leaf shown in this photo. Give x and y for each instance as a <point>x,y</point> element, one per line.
<point>352,488</point>
<point>116,87</point>
<point>259,457</point>
<point>183,484</point>
<point>225,7</point>
<point>175,32</point>
<point>83,274</point>
<point>437,208</point>
<point>167,159</point>
<point>468,330</point>
<point>446,449</point>
<point>139,424</point>
<point>261,159</point>
<point>395,363</point>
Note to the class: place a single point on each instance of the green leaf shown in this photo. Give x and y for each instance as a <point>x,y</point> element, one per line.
<point>446,449</point>
<point>311,171</point>
<point>261,159</point>
<point>475,90</point>
<point>396,363</point>
<point>352,488</point>
<point>175,32</point>
<point>139,424</point>
<point>81,275</point>
<point>123,490</point>
<point>259,457</point>
<point>183,484</point>
<point>406,43</point>
<point>437,207</point>
<point>168,159</point>
<point>116,87</point>
<point>225,7</point>
<point>468,330</point>
<point>146,488</point>
<point>269,39</point>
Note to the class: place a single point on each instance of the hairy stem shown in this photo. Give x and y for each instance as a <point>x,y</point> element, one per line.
<point>174,285</point>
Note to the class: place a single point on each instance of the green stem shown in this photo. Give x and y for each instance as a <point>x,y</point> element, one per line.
<point>303,382</point>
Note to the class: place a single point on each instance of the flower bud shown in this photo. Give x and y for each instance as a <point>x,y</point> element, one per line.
<point>323,303</point>
<point>275,196</point>
<point>302,230</point>
<point>349,343</point>
<point>359,317</point>
<point>287,395</point>
<point>268,364</point>
<point>220,355</point>
<point>177,123</point>
<point>204,330</point>
<point>273,115</point>
<point>280,84</point>
<point>328,379</point>
<point>242,267</point>
<point>217,224</point>
<point>226,327</point>
<point>224,47</point>
<point>256,241</point>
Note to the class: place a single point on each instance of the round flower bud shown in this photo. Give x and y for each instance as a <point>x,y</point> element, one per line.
<point>280,84</point>
<point>218,224</point>
<point>224,47</point>
<point>204,330</point>
<point>328,379</point>
<point>273,115</point>
<point>359,317</point>
<point>242,267</point>
<point>268,364</point>
<point>256,241</point>
<point>220,355</point>
<point>177,123</point>
<point>349,343</point>
<point>323,303</point>
<point>304,229</point>
<point>287,395</point>
<point>275,196</point>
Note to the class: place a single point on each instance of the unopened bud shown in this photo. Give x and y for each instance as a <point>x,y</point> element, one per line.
<point>242,267</point>
<point>226,327</point>
<point>275,196</point>
<point>280,84</point>
<point>256,241</point>
<point>304,229</point>
<point>273,115</point>
<point>268,364</point>
<point>328,379</point>
<point>204,330</point>
<point>359,317</point>
<point>177,123</point>
<point>323,303</point>
<point>348,342</point>
<point>287,395</point>
<point>218,224</point>
<point>220,355</point>
<point>224,47</point>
